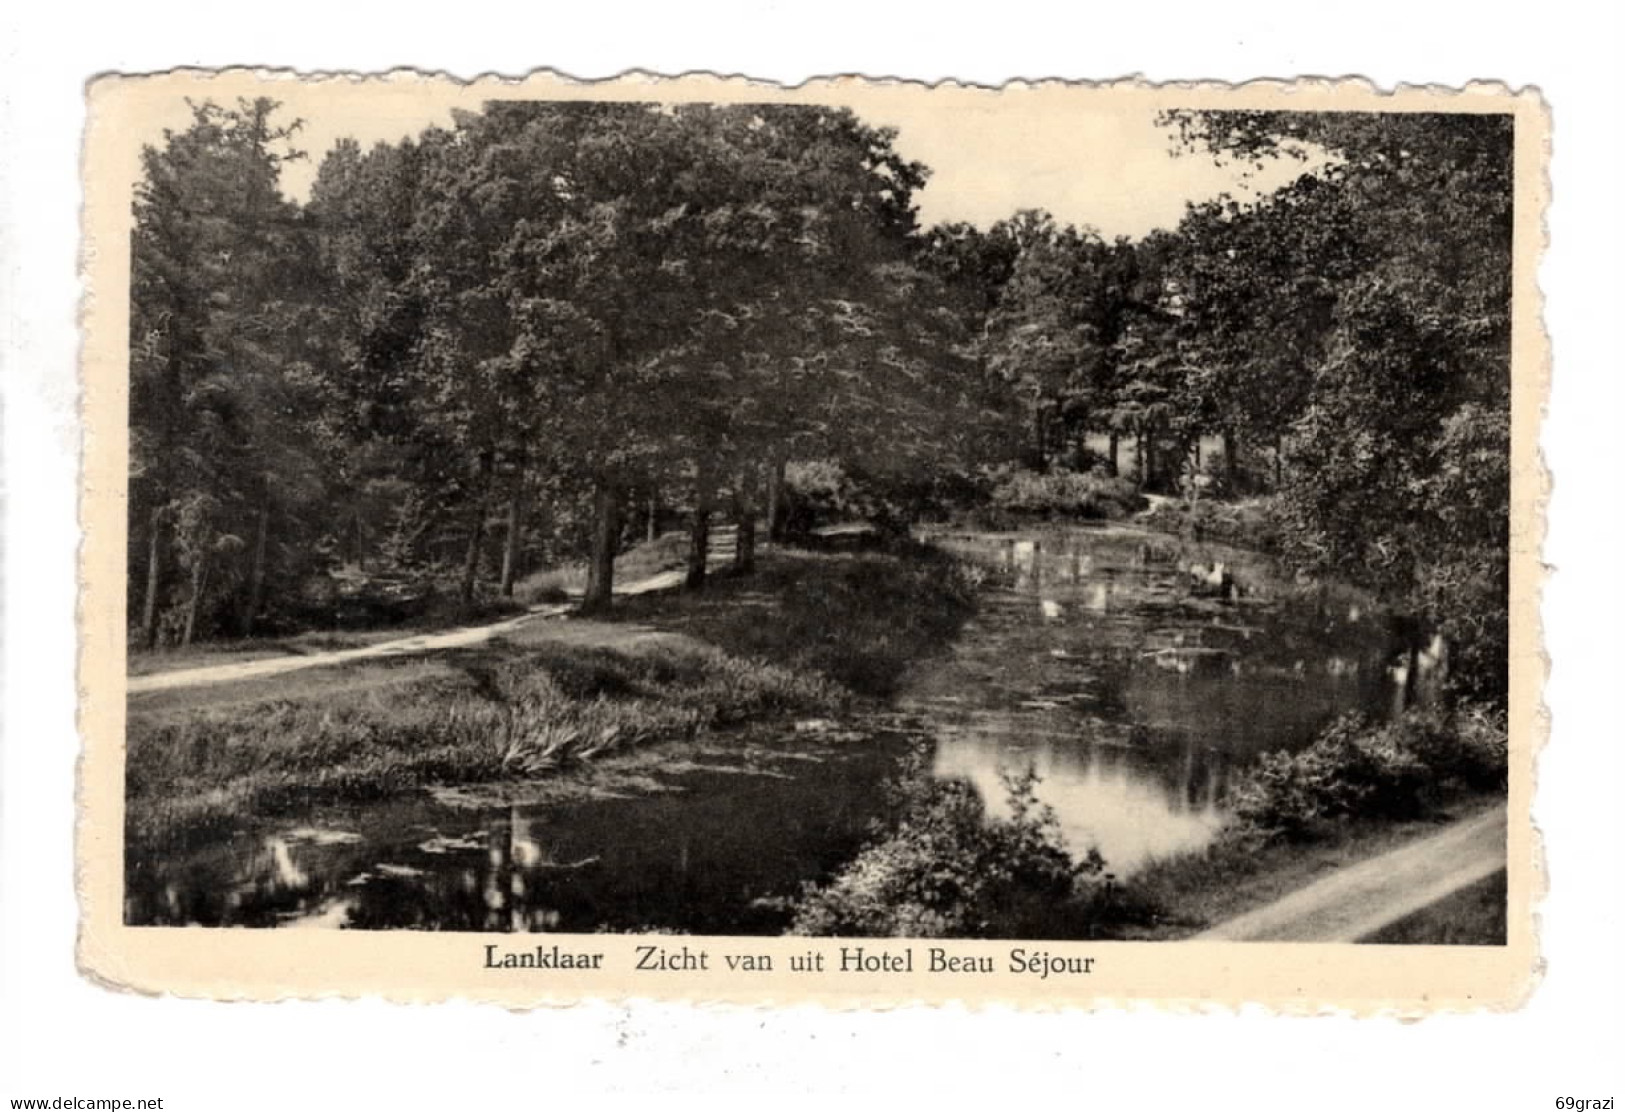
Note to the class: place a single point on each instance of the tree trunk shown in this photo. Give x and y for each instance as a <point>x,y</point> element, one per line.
<point>1279,452</point>
<point>1040,436</point>
<point>652,530</point>
<point>1228,440</point>
<point>510,546</point>
<point>476,530</point>
<point>1193,451</point>
<point>744,523</point>
<point>606,531</point>
<point>200,581</point>
<point>775,498</point>
<point>1405,633</point>
<point>155,554</point>
<point>1413,668</point>
<point>358,539</point>
<point>1140,460</point>
<point>1112,446</point>
<point>256,574</point>
<point>745,544</point>
<point>699,537</point>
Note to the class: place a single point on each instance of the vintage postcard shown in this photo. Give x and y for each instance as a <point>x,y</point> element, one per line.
<point>864,543</point>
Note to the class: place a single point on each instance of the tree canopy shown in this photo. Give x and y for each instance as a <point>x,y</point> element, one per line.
<point>475,348</point>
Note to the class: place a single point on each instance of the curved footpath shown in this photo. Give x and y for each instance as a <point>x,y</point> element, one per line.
<point>1349,905</point>
<point>721,552</point>
<point>276,665</point>
<point>1356,902</point>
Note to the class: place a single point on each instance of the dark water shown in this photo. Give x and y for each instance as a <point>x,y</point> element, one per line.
<point>1134,686</point>
<point>716,849</point>
<point>1137,676</point>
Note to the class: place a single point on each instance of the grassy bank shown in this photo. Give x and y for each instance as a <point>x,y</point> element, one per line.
<point>1246,523</point>
<point>1475,916</point>
<point>943,868</point>
<point>1188,894</point>
<point>856,619</point>
<point>1358,791</point>
<point>805,635</point>
<point>663,553</point>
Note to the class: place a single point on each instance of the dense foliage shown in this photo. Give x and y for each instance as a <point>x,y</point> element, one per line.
<point>1363,316</point>
<point>528,320</point>
<point>947,869</point>
<point>1404,769</point>
<point>547,328</point>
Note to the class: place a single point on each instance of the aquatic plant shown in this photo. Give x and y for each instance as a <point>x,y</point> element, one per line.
<point>511,712</point>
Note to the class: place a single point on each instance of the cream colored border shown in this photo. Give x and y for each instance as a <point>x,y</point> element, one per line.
<point>411,966</point>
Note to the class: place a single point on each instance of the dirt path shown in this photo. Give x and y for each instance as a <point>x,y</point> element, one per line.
<point>721,552</point>
<point>1356,902</point>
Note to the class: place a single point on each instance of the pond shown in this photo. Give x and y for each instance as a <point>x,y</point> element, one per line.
<point>1136,675</point>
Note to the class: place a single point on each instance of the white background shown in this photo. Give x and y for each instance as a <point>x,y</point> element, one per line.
<point>61,1036</point>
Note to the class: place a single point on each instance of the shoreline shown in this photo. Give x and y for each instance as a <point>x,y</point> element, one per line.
<point>544,698</point>
<point>687,675</point>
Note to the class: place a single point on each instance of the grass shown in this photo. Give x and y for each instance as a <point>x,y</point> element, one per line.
<point>1359,790</point>
<point>665,552</point>
<point>1474,916</point>
<point>668,551</point>
<point>857,619</point>
<point>381,677</point>
<point>1192,892</point>
<point>466,717</point>
<point>805,635</point>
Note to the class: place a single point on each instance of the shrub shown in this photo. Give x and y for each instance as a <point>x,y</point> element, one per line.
<point>550,588</point>
<point>1401,770</point>
<point>860,620</point>
<point>823,492</point>
<point>1249,524</point>
<point>1065,494</point>
<point>1468,749</point>
<point>946,869</point>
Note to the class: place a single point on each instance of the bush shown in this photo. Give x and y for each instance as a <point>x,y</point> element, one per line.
<point>822,492</point>
<point>1064,494</point>
<point>1402,770</point>
<point>1250,524</point>
<point>1466,750</point>
<point>946,869</point>
<point>859,619</point>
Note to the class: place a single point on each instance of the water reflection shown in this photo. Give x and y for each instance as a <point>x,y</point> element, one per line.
<point>1103,796</point>
<point>720,852</point>
<point>1134,675</point>
<point>1156,672</point>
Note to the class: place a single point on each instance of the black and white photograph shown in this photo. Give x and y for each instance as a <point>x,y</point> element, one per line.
<point>755,519</point>
<point>916,554</point>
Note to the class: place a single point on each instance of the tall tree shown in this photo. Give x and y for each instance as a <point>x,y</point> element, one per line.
<point>1397,247</point>
<point>214,288</point>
